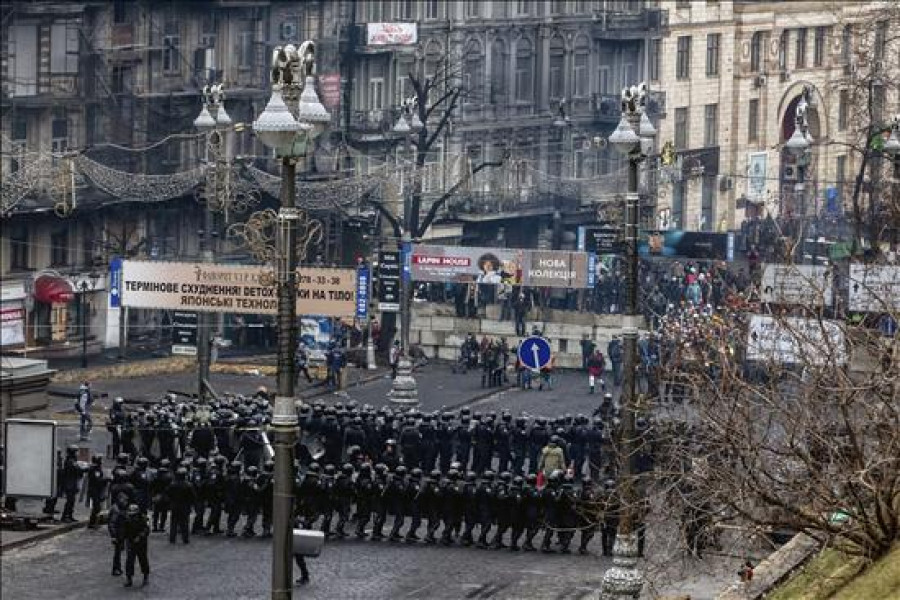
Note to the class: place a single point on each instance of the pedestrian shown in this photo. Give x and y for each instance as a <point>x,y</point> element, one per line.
<point>69,486</point>
<point>304,571</point>
<point>394,358</point>
<point>83,404</point>
<point>587,350</point>
<point>136,532</point>
<point>301,362</point>
<point>114,424</point>
<point>615,353</point>
<point>596,365</point>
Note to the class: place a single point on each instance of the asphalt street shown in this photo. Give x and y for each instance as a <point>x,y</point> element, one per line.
<point>77,566</point>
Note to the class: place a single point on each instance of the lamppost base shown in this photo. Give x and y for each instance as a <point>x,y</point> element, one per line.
<point>404,389</point>
<point>623,579</point>
<point>370,357</point>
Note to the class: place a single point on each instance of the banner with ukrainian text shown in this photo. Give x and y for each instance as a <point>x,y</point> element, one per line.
<point>537,268</point>
<point>246,289</point>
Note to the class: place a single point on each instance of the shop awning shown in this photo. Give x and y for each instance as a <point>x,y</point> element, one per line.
<point>50,289</point>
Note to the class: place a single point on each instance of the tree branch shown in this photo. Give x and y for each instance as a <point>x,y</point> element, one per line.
<point>439,203</point>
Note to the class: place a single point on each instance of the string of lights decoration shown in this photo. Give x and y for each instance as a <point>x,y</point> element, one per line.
<point>18,184</point>
<point>259,234</point>
<point>136,186</point>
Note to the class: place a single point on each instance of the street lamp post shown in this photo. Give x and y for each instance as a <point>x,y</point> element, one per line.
<point>290,137</point>
<point>213,120</point>
<point>799,146</point>
<point>624,579</point>
<point>404,389</point>
<point>85,286</point>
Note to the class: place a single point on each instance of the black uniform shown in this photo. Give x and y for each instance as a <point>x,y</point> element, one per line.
<point>159,488</point>
<point>181,496</point>
<point>232,502</point>
<point>410,445</point>
<point>444,437</point>
<point>69,483</point>
<point>519,446</point>
<point>136,531</point>
<point>453,506</point>
<point>364,490</point>
<point>464,443</point>
<point>97,484</point>
<point>502,445</point>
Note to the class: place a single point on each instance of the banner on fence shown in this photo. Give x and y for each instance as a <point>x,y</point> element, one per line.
<point>536,268</point>
<point>796,284</point>
<point>243,289</point>
<point>794,340</point>
<point>874,288</point>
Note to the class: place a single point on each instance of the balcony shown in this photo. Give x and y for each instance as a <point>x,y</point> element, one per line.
<point>371,125</point>
<point>630,25</point>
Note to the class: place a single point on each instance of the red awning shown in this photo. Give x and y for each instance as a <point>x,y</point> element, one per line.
<point>50,290</point>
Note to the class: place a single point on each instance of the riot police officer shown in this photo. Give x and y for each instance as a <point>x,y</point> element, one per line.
<point>363,493</point>
<point>97,484</point>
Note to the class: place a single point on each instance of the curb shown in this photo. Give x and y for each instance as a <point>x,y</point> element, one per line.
<point>480,396</point>
<point>319,391</point>
<point>50,533</point>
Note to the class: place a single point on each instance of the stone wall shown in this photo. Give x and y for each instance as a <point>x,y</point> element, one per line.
<point>439,333</point>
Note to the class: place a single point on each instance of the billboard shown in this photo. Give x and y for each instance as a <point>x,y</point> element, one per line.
<point>208,287</point>
<point>796,284</point>
<point>537,268</point>
<point>391,34</point>
<point>700,245</point>
<point>794,340</point>
<point>389,281</point>
<point>30,459</point>
<point>874,288</point>
<point>184,333</point>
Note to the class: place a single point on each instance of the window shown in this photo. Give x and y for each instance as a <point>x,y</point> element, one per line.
<point>603,82</point>
<point>756,52</point>
<point>376,93</point>
<point>840,174</point>
<point>523,7</point>
<point>843,109</point>
<point>59,248</point>
<point>499,69</point>
<point>557,68</point>
<point>654,58</point>
<point>713,41</point>
<point>678,204</point>
<point>473,9</point>
<point>22,50</point>
<point>682,4</point>
<point>18,247</point>
<point>819,46</point>
<point>711,125</point>
<point>524,71</point>
<point>783,49</point>
<point>846,43</point>
<point>404,10</point>
<point>171,47</point>
<point>20,129</point>
<point>681,128</point>
<point>246,49</point>
<point>120,12</point>
<point>88,238</point>
<point>209,27</point>
<point>880,40</point>
<point>310,24</point>
<point>707,204</point>
<point>582,6</point>
<point>683,65</point>
<point>474,73</point>
<point>59,141</point>
<point>431,9</point>
<point>557,7</point>
<point>580,72</point>
<point>63,49</point>
<point>753,121</point>
<point>800,58</point>
<point>121,79</point>
<point>403,88</point>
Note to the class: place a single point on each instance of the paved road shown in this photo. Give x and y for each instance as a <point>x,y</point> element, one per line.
<point>76,566</point>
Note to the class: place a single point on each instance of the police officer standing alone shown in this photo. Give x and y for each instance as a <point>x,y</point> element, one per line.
<point>136,532</point>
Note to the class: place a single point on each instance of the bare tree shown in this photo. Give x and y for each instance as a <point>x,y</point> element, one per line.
<point>791,423</point>
<point>871,78</point>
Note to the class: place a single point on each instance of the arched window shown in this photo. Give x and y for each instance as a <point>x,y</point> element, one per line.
<point>524,70</point>
<point>473,74</point>
<point>499,72</point>
<point>433,57</point>
<point>557,68</point>
<point>581,82</point>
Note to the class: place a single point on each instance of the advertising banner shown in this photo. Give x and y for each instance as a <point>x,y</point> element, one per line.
<point>330,86</point>
<point>796,284</point>
<point>391,34</point>
<point>794,340</point>
<point>12,325</point>
<point>688,244</point>
<point>242,289</point>
<point>537,268</point>
<point>756,176</point>
<point>362,292</point>
<point>115,282</point>
<point>874,288</point>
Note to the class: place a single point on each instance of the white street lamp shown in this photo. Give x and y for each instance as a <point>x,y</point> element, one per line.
<point>624,139</point>
<point>892,146</point>
<point>415,123</point>
<point>276,126</point>
<point>401,126</point>
<point>647,130</point>
<point>798,143</point>
<point>204,121</point>
<point>310,109</point>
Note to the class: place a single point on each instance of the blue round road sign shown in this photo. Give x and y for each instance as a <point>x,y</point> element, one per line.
<point>534,352</point>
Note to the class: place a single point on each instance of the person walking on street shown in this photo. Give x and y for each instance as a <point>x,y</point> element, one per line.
<point>394,358</point>
<point>302,362</point>
<point>596,366</point>
<point>83,405</point>
<point>614,351</point>
<point>136,531</point>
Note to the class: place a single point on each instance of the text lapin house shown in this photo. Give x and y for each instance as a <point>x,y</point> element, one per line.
<point>234,288</point>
